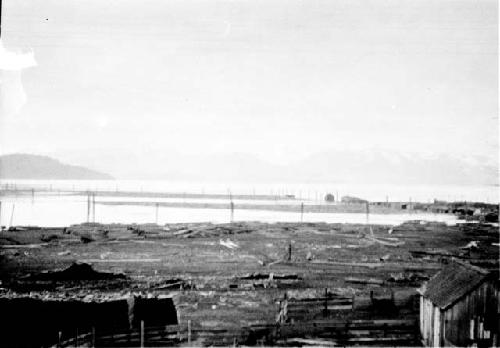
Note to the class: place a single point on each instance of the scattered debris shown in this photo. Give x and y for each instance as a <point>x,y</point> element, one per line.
<point>407,278</point>
<point>471,245</point>
<point>229,244</point>
<point>64,253</point>
<point>386,241</point>
<point>105,255</point>
<point>430,252</point>
<point>305,342</point>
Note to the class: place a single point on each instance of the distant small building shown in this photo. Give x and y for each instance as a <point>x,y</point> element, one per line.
<point>352,200</point>
<point>329,197</point>
<point>459,306</point>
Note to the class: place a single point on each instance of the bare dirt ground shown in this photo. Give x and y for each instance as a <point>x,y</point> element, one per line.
<point>232,276</point>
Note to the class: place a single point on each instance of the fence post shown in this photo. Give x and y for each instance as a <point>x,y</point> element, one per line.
<point>12,215</point>
<point>232,211</point>
<point>88,206</point>
<point>93,207</point>
<point>189,332</point>
<point>142,333</point>
<point>59,338</point>
<point>302,212</point>
<point>76,338</point>
<point>93,337</point>
<point>368,214</point>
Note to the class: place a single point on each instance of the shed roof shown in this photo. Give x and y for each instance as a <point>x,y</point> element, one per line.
<point>453,282</point>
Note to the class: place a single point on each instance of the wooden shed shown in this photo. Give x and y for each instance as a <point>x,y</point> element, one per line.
<point>459,306</point>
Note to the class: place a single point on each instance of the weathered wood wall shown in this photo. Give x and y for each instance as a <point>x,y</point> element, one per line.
<point>472,320</point>
<point>475,318</point>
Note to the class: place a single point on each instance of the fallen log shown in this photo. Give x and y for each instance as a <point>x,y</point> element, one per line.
<point>364,280</point>
<point>385,242</point>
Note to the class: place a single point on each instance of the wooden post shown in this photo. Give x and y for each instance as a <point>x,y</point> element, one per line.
<point>12,214</point>
<point>76,338</point>
<point>189,332</point>
<point>88,206</point>
<point>93,207</point>
<point>93,337</point>
<point>59,337</point>
<point>368,218</point>
<point>156,212</point>
<point>0,215</point>
<point>290,251</point>
<point>302,212</point>
<point>231,204</point>
<point>142,333</point>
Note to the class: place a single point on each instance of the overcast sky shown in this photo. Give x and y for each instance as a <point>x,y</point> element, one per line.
<point>277,79</point>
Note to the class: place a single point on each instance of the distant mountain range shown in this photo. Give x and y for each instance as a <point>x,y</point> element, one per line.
<point>371,167</point>
<point>24,166</point>
<point>353,167</point>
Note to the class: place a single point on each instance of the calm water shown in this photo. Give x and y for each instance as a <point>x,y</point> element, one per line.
<point>62,209</point>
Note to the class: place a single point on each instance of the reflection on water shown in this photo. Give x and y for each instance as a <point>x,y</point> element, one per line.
<point>64,210</point>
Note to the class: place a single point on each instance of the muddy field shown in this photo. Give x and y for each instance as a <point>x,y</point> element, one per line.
<point>248,283</point>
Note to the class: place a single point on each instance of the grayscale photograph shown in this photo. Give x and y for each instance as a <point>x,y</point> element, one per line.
<point>249,173</point>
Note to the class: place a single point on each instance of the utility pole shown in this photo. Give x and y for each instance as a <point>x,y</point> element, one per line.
<point>367,213</point>
<point>368,218</point>
<point>93,207</point>
<point>231,206</point>
<point>88,206</point>
<point>12,215</point>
